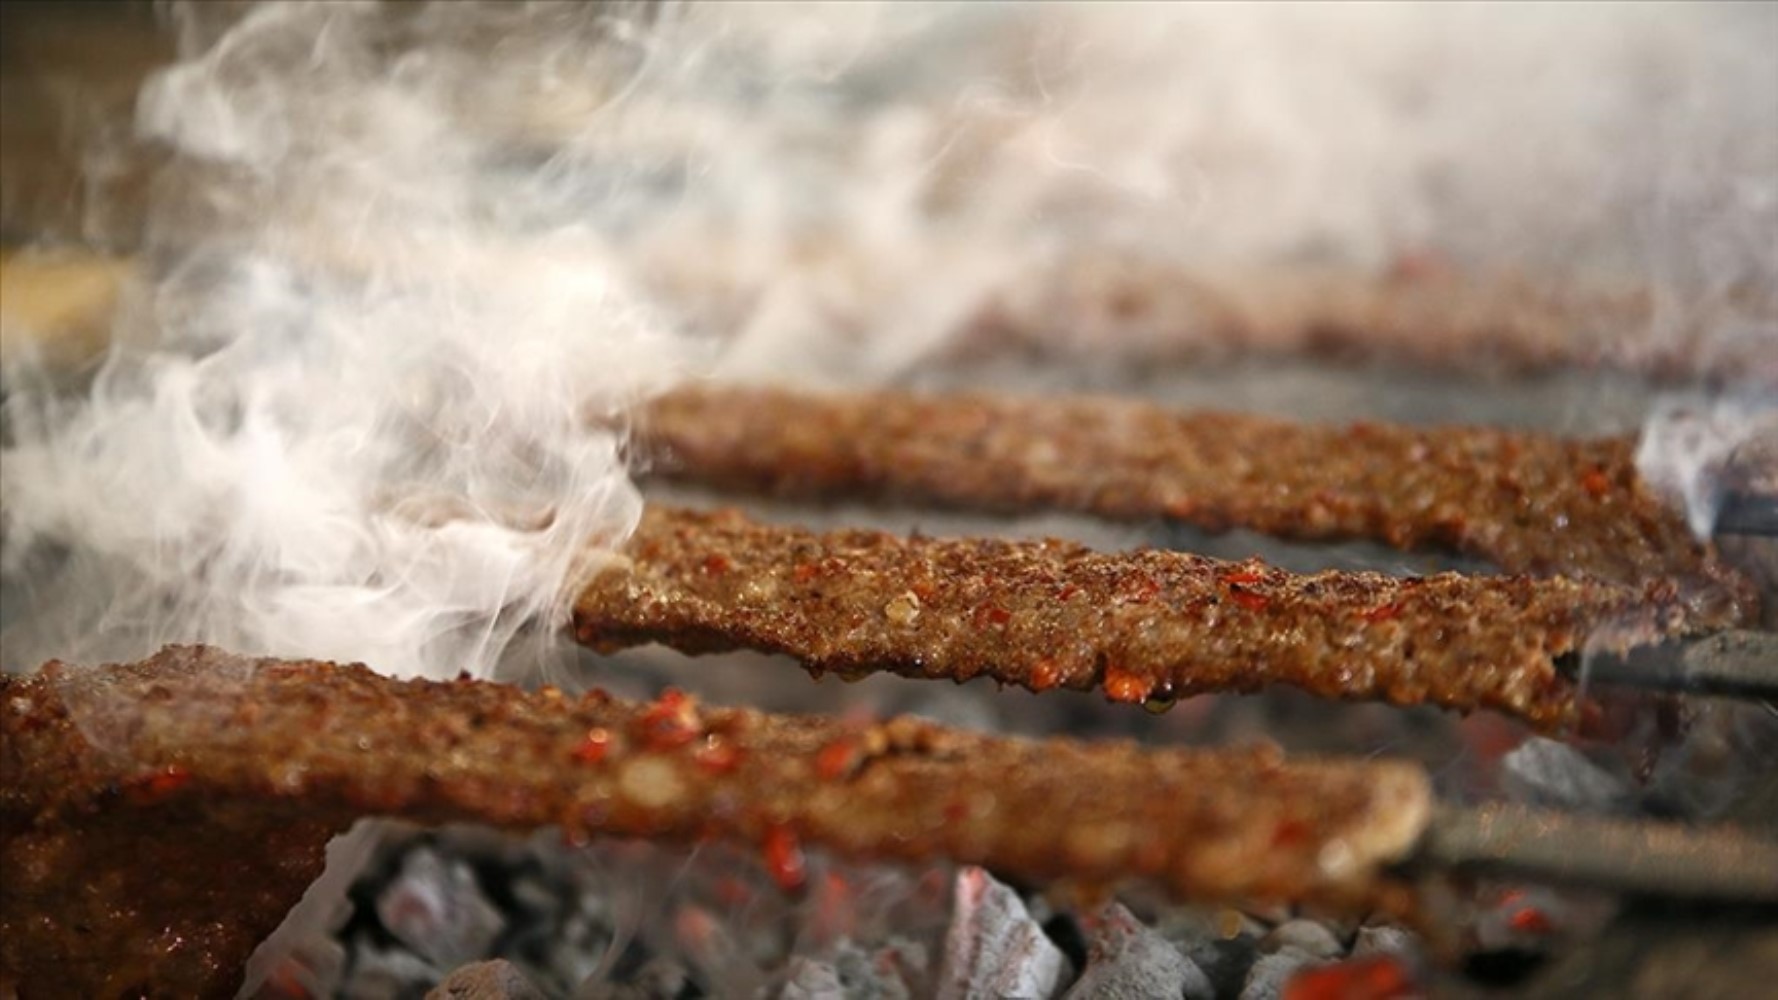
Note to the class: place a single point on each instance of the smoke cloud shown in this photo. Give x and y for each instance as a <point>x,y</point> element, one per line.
<point>368,402</point>
<point>410,265</point>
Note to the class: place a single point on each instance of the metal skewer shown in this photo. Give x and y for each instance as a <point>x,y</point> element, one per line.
<point>1736,664</point>
<point>1748,514</point>
<point>1721,863</point>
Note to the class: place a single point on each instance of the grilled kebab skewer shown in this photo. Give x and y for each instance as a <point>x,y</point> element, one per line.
<point>1527,502</point>
<point>1142,626</point>
<point>124,785</point>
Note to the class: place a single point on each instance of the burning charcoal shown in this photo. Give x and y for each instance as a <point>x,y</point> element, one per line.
<point>1303,935</point>
<point>1378,977</point>
<point>1547,772</point>
<point>859,975</point>
<point>1222,945</point>
<point>1269,975</point>
<point>813,980</point>
<point>435,908</point>
<point>493,980</point>
<point>1385,940</point>
<point>1522,919</point>
<point>657,979</point>
<point>577,948</point>
<point>1126,959</point>
<point>900,962</point>
<point>312,968</point>
<point>387,974</point>
<point>994,948</point>
<point>715,952</point>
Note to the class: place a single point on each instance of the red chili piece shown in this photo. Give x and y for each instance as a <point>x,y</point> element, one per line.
<point>669,723</point>
<point>1248,599</point>
<point>1596,483</point>
<point>838,759</point>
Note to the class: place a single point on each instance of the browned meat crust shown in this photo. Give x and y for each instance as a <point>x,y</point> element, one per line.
<point>1529,503</point>
<point>1141,625</point>
<point>195,737</point>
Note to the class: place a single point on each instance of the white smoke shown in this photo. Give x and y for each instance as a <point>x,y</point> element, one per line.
<point>866,179</point>
<point>410,264</point>
<point>369,404</point>
<point>1690,443</point>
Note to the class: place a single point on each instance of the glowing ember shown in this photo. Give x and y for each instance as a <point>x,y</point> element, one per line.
<point>1376,977</point>
<point>784,858</point>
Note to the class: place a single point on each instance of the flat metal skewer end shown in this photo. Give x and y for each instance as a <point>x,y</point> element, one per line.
<point>1736,664</point>
<point>1721,863</point>
<point>1748,514</point>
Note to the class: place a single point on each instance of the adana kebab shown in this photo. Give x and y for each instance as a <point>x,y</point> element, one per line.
<point>1145,626</point>
<point>1527,502</point>
<point>124,785</point>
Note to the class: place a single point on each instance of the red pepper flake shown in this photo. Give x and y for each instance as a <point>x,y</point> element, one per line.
<point>1045,674</point>
<point>838,759</point>
<point>716,564</point>
<point>1144,590</point>
<point>1248,599</point>
<point>669,723</point>
<point>1122,685</point>
<point>1068,590</point>
<point>161,783</point>
<point>1290,832</point>
<point>784,858</point>
<point>1246,574</point>
<point>1374,977</point>
<point>717,755</point>
<point>1530,920</point>
<point>593,748</point>
<point>1384,612</point>
<point>1596,483</point>
<point>990,614</point>
<point>804,572</point>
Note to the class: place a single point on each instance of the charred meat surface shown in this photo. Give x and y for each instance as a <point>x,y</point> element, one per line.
<point>1527,502</point>
<point>1143,626</point>
<point>184,744</point>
